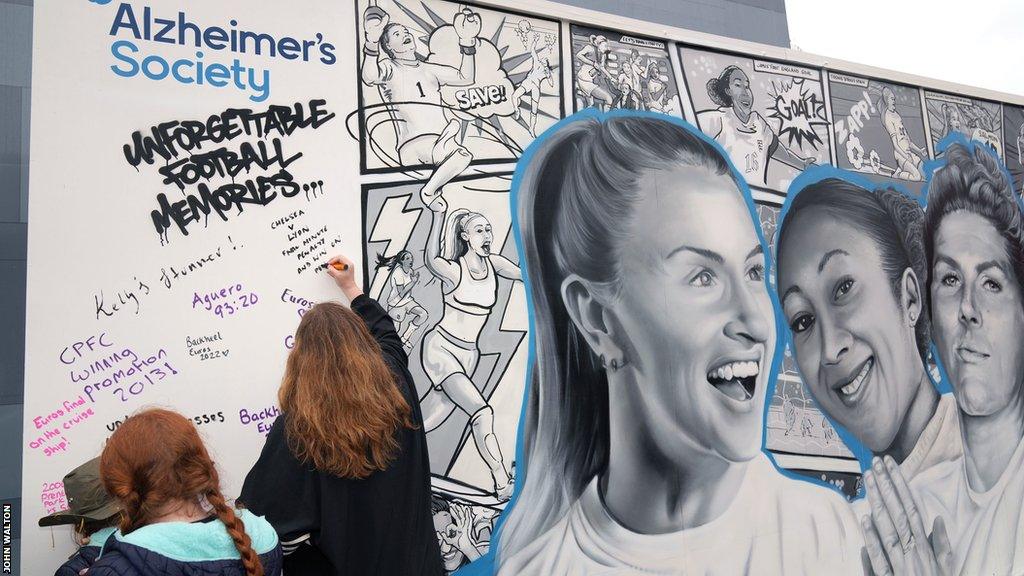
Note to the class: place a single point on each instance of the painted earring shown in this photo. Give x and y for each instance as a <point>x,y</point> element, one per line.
<point>615,364</point>
<point>604,363</point>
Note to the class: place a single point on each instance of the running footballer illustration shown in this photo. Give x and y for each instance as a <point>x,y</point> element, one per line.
<point>462,316</point>
<point>407,313</point>
<point>458,253</point>
<point>878,126</point>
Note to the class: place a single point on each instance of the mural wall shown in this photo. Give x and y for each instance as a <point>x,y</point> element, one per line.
<point>670,308</point>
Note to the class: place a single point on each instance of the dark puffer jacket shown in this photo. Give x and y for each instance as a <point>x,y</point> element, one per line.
<point>187,549</point>
<point>86,555</point>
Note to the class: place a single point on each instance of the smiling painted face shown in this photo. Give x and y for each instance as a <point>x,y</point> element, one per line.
<point>740,93</point>
<point>977,314</point>
<point>399,40</point>
<point>478,235</point>
<point>853,340</point>
<point>696,317</point>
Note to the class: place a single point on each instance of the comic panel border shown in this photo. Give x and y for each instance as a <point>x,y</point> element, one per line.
<point>827,75</point>
<point>942,93</point>
<point>679,46</point>
<point>671,52</point>
<point>360,133</point>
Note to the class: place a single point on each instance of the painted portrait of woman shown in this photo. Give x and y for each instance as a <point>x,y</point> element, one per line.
<point>853,288</point>
<point>975,244</point>
<point>654,337</point>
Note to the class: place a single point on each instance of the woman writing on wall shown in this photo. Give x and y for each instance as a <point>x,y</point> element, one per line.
<point>655,335</point>
<point>175,520</point>
<point>462,260</point>
<point>853,279</point>
<point>344,475</point>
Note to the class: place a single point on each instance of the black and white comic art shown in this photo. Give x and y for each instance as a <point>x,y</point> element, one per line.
<point>797,433</point>
<point>769,116</point>
<point>448,275</point>
<point>751,343</point>
<point>615,70</point>
<point>464,528</point>
<point>445,85</point>
<point>979,120</point>
<point>878,127</point>
<point>1013,141</point>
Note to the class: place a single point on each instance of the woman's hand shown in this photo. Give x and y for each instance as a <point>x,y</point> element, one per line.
<point>345,279</point>
<point>894,534</point>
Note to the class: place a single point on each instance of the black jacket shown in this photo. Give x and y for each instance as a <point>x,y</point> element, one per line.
<point>379,525</point>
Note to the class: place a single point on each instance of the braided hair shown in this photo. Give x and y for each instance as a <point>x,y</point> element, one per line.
<point>156,457</point>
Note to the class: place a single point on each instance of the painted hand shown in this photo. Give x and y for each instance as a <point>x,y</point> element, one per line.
<point>374,21</point>
<point>462,517</point>
<point>894,534</point>
<point>467,25</point>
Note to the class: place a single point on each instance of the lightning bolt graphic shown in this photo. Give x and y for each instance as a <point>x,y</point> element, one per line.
<point>394,225</point>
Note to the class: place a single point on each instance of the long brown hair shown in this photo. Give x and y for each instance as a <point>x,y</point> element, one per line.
<point>339,397</point>
<point>157,456</point>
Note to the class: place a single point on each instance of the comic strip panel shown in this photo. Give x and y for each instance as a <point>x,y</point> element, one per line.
<point>445,85</point>
<point>448,275</point>
<point>979,120</point>
<point>769,116</point>
<point>1013,137</point>
<point>879,128</point>
<point>615,70</point>
<point>463,525</point>
<point>797,433</point>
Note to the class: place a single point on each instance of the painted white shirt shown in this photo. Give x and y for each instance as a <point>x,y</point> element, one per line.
<point>897,131</point>
<point>939,445</point>
<point>414,95</point>
<point>399,280</point>
<point>986,529</point>
<point>747,143</point>
<point>775,525</point>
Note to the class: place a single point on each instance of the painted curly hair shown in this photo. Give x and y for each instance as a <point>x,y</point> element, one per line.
<point>971,179</point>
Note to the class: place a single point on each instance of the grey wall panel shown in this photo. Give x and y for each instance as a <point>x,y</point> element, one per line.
<point>754,20</point>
